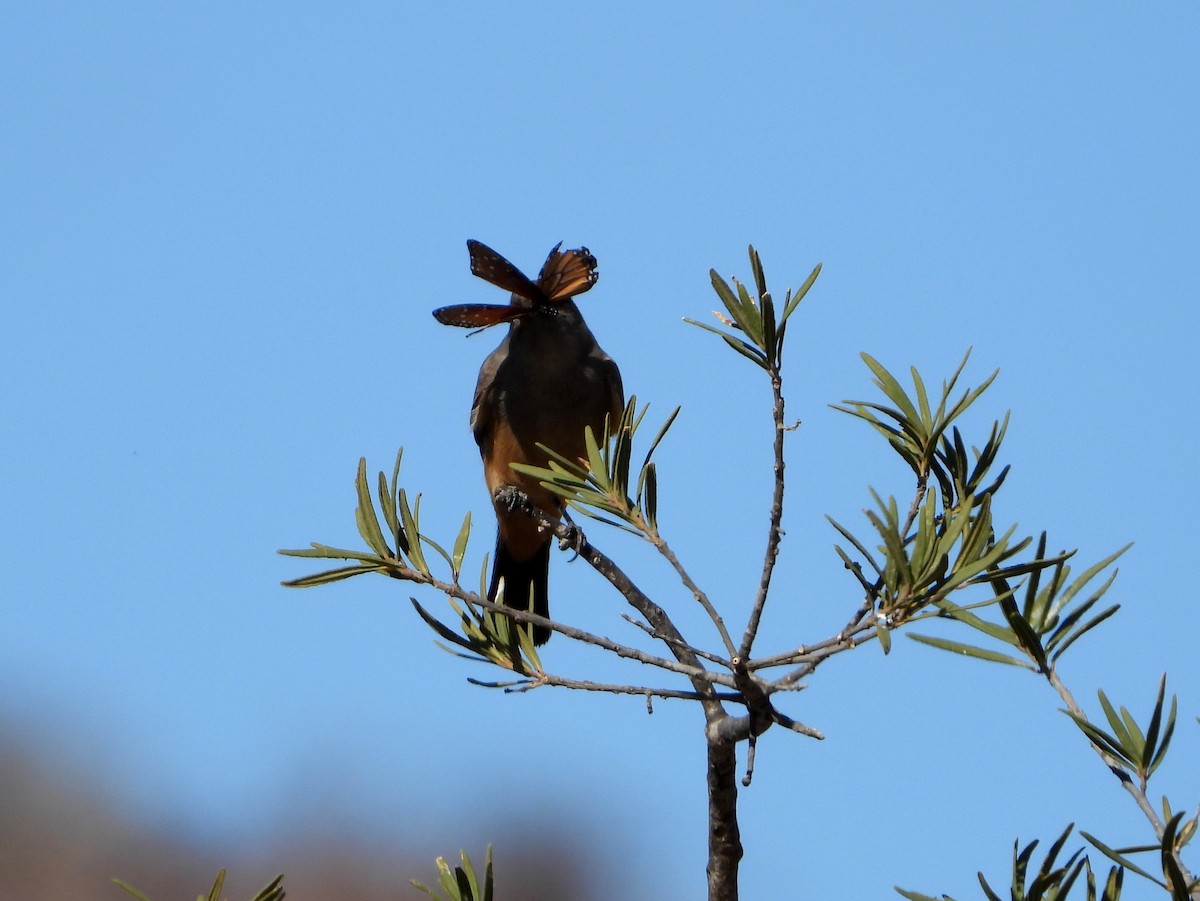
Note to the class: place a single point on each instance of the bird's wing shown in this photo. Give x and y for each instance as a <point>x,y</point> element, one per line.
<point>483,407</point>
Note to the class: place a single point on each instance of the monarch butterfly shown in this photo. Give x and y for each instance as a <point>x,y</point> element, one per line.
<point>565,274</point>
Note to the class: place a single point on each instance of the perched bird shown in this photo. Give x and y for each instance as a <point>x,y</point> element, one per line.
<point>545,384</point>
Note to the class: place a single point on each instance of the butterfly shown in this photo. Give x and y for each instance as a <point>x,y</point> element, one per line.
<point>565,274</point>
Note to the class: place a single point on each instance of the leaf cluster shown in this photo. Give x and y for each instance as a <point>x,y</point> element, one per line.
<point>1177,832</point>
<point>396,552</point>
<point>486,636</point>
<point>272,891</point>
<point>599,487</point>
<point>947,539</point>
<point>1053,881</point>
<point>1049,619</point>
<point>392,532</point>
<point>461,883</point>
<point>753,316</point>
<point>1141,751</point>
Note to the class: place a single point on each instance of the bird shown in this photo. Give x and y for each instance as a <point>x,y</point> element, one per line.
<point>545,383</point>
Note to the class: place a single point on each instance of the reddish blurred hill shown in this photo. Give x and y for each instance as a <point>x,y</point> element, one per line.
<point>62,838</point>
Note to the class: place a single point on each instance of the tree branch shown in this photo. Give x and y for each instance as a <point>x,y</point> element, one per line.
<point>524,616</point>
<point>774,532</point>
<point>663,548</point>
<point>586,685</point>
<point>572,536</point>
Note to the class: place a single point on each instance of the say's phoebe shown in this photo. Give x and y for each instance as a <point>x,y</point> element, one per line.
<point>545,384</point>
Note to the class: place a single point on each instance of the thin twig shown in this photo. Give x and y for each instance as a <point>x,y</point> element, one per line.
<point>523,616</point>
<point>653,614</point>
<point>815,655</point>
<point>774,532</point>
<point>1118,769</point>
<point>711,658</point>
<point>665,549</point>
<point>669,693</point>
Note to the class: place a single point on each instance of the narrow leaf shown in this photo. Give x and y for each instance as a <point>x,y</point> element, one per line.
<point>1083,630</point>
<point>333,575</point>
<point>364,514</point>
<point>800,292</point>
<point>1120,859</point>
<point>409,520</point>
<point>891,388</point>
<point>967,650</point>
<point>460,544</point>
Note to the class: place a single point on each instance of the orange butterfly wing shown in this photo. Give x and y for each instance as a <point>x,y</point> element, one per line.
<point>477,315</point>
<point>493,268</point>
<point>564,274</point>
<point>567,273</point>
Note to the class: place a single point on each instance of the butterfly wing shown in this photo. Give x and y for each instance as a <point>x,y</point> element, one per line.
<point>567,273</point>
<point>478,315</point>
<point>495,269</point>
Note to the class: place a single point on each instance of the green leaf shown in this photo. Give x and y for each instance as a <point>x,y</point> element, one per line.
<point>595,461</point>
<point>1021,866</point>
<point>439,550</point>
<point>1107,743</point>
<point>956,647</point>
<point>1175,876</point>
<point>770,339</point>
<point>752,316</point>
<point>272,891</point>
<point>845,533</point>
<point>662,433</point>
<point>746,350</point>
<point>1112,888</point>
<point>760,278</point>
<point>1120,859</point>
<point>1115,721</point>
<point>1165,742</point>
<point>1028,639</point>
<point>884,636</point>
<point>725,293</point>
<point>409,519</point>
<point>987,889</point>
<point>460,545</point>
<point>1137,741</point>
<point>1089,574</point>
<point>1149,748</point>
<point>965,616</point>
<point>439,627</point>
<point>325,552</point>
<point>798,296</point>
<point>214,893</point>
<point>364,514</point>
<point>131,890</point>
<point>650,496</point>
<point>387,503</point>
<point>401,538</point>
<point>1048,876</point>
<point>891,388</point>
<point>332,575</point>
<point>922,396</point>
<point>1091,624</point>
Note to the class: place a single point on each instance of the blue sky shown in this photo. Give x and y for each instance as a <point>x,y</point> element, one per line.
<point>225,226</point>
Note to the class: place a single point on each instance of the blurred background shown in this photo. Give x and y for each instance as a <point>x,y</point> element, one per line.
<point>223,230</point>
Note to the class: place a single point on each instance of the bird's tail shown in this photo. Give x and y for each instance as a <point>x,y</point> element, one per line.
<point>523,579</point>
